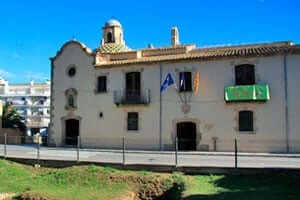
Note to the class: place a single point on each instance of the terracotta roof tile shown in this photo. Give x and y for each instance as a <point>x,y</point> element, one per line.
<point>113,48</point>
<point>268,49</point>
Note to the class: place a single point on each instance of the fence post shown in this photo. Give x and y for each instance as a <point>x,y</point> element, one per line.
<point>123,152</point>
<point>235,153</point>
<point>5,143</point>
<point>176,151</point>
<point>78,147</point>
<point>38,148</point>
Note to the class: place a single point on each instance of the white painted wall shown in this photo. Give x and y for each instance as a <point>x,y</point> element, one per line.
<point>208,108</point>
<point>293,73</point>
<point>218,119</point>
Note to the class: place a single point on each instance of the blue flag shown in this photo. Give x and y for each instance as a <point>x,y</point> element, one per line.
<point>168,81</point>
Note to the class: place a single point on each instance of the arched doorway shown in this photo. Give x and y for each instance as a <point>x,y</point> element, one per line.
<point>72,132</point>
<point>186,136</point>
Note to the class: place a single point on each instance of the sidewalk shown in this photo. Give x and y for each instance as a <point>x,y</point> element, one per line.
<point>203,153</point>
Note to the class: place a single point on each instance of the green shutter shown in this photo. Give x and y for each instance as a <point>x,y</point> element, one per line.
<point>247,93</point>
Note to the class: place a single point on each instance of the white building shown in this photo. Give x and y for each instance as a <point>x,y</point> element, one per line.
<point>249,92</point>
<point>31,100</point>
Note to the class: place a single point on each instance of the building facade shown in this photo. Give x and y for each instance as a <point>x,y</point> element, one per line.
<point>248,92</point>
<point>31,100</point>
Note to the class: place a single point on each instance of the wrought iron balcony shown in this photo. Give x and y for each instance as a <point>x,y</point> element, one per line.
<point>125,97</point>
<point>247,93</point>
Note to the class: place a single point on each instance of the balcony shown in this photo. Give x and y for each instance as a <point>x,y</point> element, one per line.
<point>240,93</point>
<point>125,97</point>
<point>37,116</point>
<point>32,106</point>
<point>9,95</point>
<point>33,124</point>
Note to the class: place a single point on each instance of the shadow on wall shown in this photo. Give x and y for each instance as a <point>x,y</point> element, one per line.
<point>259,187</point>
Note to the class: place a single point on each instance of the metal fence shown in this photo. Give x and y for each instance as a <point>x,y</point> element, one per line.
<point>180,152</point>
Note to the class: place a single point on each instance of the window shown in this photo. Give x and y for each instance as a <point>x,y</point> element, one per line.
<point>133,86</point>
<point>71,95</point>
<point>101,84</point>
<point>71,101</point>
<point>246,121</point>
<point>72,71</point>
<point>244,75</point>
<point>185,81</point>
<point>132,121</point>
<point>109,37</point>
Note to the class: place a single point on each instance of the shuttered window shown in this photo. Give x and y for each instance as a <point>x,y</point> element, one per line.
<point>101,84</point>
<point>132,121</point>
<point>246,121</point>
<point>185,81</point>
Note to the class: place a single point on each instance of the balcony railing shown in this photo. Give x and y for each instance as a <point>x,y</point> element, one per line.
<point>37,124</point>
<point>131,97</point>
<point>37,116</point>
<point>247,93</point>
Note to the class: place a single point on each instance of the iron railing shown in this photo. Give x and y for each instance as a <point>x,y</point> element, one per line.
<point>120,150</point>
<point>132,97</point>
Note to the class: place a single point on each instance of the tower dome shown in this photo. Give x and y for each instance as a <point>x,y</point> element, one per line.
<point>112,39</point>
<point>112,22</point>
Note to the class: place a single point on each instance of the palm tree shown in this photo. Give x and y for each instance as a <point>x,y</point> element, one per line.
<point>12,119</point>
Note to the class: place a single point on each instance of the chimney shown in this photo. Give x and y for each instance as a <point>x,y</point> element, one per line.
<point>150,46</point>
<point>174,36</point>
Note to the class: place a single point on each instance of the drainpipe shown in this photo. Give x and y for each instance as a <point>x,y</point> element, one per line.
<point>286,105</point>
<point>160,110</point>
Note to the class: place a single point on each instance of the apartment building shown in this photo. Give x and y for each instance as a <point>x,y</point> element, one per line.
<point>31,100</point>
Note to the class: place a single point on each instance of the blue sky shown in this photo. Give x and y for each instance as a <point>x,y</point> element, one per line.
<point>33,31</point>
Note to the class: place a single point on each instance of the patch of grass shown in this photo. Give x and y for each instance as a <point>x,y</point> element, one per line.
<point>145,173</point>
<point>259,187</point>
<point>109,170</point>
<point>107,183</point>
<point>70,183</point>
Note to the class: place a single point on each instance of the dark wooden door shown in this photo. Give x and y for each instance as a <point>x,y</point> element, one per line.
<point>72,132</point>
<point>186,136</point>
<point>133,86</point>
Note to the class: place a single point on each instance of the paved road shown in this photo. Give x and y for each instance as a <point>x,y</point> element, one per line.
<point>161,158</point>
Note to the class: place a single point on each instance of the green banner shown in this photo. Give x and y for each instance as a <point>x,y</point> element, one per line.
<point>247,93</point>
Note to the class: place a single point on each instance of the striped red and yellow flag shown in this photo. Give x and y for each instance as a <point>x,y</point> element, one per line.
<point>196,82</point>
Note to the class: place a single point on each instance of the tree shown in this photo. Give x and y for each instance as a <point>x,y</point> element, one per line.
<point>12,119</point>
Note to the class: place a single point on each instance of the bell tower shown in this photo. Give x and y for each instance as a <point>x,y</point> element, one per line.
<point>112,33</point>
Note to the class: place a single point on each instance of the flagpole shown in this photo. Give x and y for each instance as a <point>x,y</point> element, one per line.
<point>160,110</point>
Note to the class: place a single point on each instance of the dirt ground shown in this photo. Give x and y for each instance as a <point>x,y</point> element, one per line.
<point>6,195</point>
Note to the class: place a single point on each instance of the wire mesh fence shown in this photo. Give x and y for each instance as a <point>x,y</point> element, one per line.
<point>231,153</point>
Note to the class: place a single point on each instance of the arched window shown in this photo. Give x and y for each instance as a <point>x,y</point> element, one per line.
<point>71,101</point>
<point>246,121</point>
<point>109,37</point>
<point>71,95</point>
<point>244,74</point>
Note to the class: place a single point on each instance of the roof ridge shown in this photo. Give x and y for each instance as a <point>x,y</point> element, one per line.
<point>250,45</point>
<point>73,41</point>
